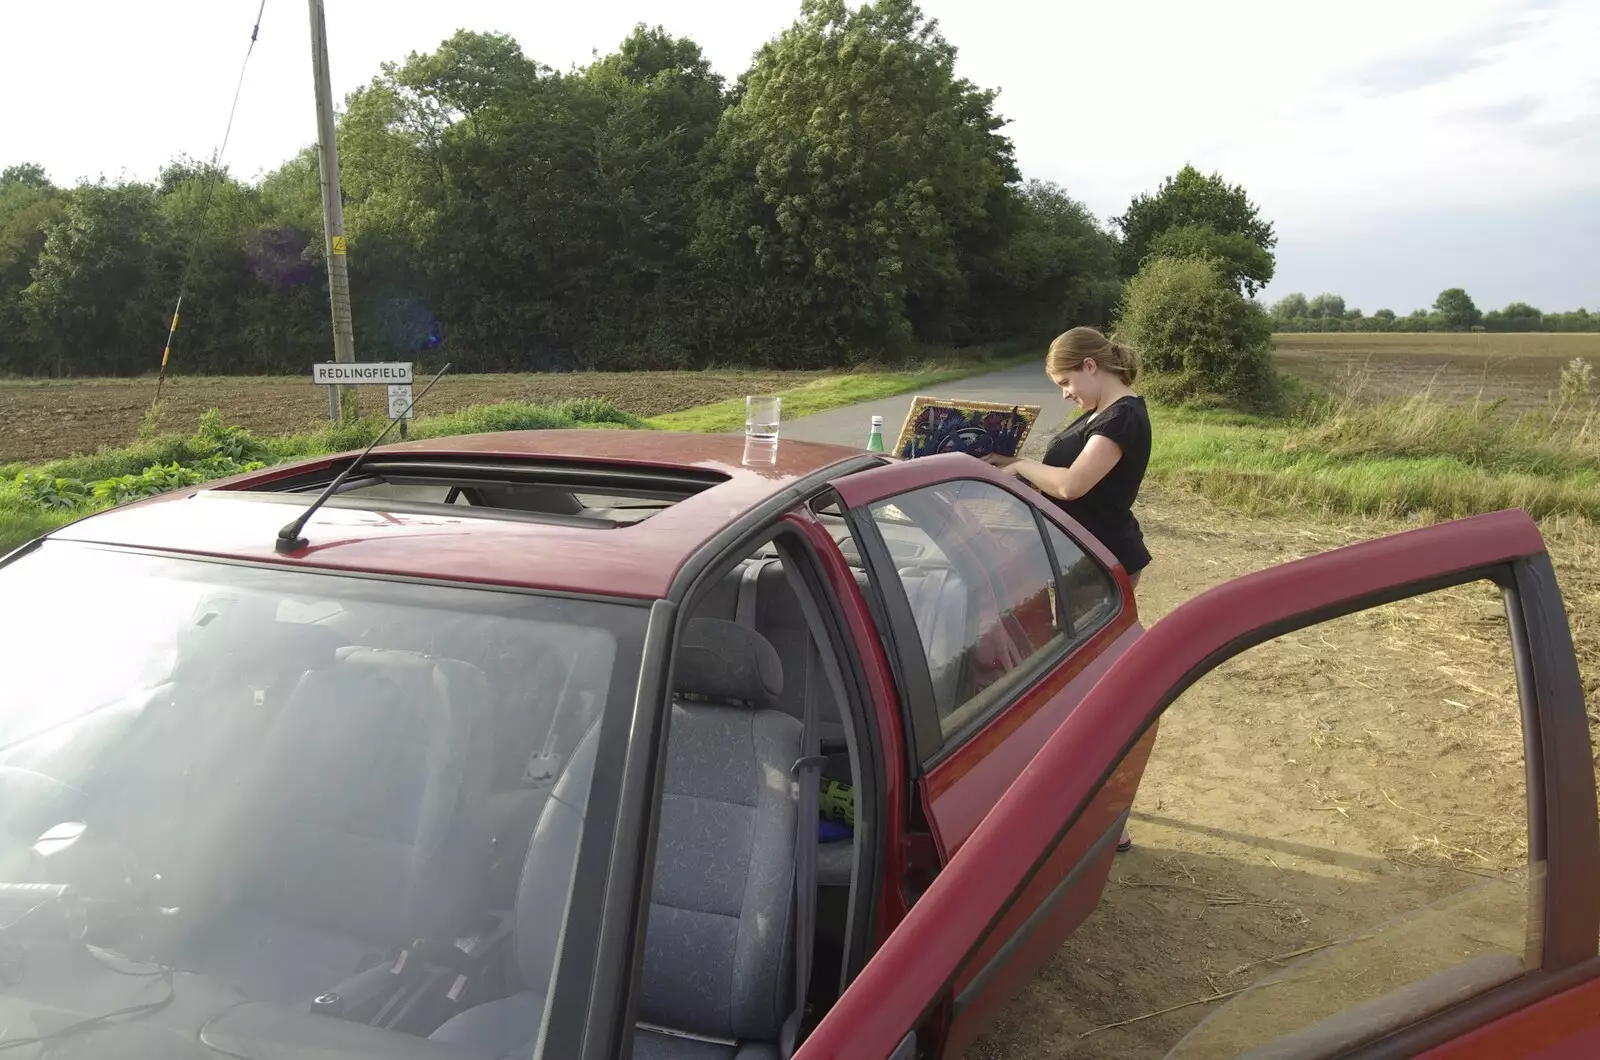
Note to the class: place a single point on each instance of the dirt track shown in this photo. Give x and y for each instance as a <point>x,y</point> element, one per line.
<point>1307,792</point>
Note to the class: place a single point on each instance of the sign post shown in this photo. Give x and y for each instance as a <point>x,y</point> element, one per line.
<point>400,404</point>
<point>396,375</point>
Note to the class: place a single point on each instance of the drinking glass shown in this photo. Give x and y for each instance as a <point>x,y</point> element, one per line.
<point>761,415</point>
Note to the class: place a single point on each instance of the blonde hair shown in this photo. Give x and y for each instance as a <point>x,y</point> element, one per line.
<point>1071,348</point>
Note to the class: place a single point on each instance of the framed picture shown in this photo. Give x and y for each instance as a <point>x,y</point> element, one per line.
<point>957,425</point>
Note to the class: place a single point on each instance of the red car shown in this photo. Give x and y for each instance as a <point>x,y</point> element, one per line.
<point>596,744</point>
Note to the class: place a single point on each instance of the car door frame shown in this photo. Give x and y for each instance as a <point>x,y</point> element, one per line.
<point>986,752</point>
<point>911,975</point>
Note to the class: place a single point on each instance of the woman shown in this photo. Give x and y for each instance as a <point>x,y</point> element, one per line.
<point>1094,468</point>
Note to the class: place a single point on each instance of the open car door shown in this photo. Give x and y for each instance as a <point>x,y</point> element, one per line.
<point>1001,614</point>
<point>1545,1005</point>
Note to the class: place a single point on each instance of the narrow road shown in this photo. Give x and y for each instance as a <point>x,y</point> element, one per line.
<point>1023,385</point>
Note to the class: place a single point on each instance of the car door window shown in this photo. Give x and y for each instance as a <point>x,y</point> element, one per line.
<point>982,590</point>
<point>1091,596</point>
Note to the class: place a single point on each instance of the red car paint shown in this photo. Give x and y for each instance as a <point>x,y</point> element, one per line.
<point>1564,1027</point>
<point>635,561</point>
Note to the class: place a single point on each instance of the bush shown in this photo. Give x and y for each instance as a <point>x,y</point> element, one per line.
<point>1203,343</point>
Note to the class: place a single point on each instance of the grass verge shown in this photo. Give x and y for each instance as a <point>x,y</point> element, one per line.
<point>837,391</point>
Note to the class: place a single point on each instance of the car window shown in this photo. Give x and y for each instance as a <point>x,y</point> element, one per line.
<point>1091,594</point>
<point>1331,840</point>
<point>981,588</point>
<point>277,777</point>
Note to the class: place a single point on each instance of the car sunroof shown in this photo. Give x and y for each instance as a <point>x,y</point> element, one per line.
<point>599,495</point>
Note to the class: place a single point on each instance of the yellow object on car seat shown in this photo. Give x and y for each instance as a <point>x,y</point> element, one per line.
<point>837,802</point>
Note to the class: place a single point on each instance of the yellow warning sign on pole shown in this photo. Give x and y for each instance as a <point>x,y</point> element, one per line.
<point>338,244</point>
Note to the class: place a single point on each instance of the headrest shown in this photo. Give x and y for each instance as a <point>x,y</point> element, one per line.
<point>264,651</point>
<point>725,661</point>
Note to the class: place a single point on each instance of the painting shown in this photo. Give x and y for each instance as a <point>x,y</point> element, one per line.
<point>957,425</point>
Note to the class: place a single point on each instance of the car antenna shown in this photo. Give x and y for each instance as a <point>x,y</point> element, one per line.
<point>289,538</point>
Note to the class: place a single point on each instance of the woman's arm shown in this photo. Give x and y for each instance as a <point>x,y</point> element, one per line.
<point>1069,483</point>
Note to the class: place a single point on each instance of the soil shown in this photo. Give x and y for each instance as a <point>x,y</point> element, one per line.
<point>1312,790</point>
<point>1523,370</point>
<point>45,420</point>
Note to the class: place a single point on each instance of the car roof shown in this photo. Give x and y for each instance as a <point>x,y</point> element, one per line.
<point>238,519</point>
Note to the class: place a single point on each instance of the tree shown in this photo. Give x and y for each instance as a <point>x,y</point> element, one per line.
<point>1054,268</point>
<point>94,289</point>
<point>1386,316</point>
<point>26,174</point>
<point>1518,316</point>
<point>1202,339</point>
<point>685,96</point>
<point>1247,266</point>
<point>1456,309</point>
<point>1189,199</point>
<point>1326,307</point>
<point>29,206</point>
<point>1291,307</point>
<point>845,180</point>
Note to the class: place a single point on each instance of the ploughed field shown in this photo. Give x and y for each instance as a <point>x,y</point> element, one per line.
<point>48,419</point>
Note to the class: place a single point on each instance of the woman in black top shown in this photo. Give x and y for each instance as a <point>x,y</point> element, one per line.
<point>1094,468</point>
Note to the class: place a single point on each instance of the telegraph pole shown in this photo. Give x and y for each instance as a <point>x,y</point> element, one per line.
<point>341,399</point>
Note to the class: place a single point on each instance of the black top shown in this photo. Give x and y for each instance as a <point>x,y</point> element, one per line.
<point>1106,511</point>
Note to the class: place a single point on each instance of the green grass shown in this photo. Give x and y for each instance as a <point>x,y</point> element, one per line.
<point>1390,459</point>
<point>837,391</point>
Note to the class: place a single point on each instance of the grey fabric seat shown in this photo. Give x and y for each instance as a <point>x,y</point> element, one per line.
<point>369,828</point>
<point>776,615</point>
<point>718,964</point>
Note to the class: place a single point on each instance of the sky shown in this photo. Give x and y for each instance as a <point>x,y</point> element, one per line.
<point>1398,147</point>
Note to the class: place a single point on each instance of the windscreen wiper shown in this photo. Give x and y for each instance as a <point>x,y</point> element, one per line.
<point>289,539</point>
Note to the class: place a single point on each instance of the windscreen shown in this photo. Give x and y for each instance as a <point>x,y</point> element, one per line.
<point>255,785</point>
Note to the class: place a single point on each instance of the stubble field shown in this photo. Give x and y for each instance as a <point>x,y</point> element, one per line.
<point>1521,369</point>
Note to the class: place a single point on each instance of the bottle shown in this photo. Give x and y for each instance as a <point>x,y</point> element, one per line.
<point>875,439</point>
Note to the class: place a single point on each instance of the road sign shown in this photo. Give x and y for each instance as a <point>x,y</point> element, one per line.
<point>393,373</point>
<point>400,400</point>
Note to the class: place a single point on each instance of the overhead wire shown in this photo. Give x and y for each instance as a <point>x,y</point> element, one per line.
<point>205,205</point>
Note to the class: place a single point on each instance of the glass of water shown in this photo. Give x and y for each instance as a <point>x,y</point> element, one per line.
<point>761,415</point>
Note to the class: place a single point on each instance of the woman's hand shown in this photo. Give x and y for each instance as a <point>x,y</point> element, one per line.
<point>1000,460</point>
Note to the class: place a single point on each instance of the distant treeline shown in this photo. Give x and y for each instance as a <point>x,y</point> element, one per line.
<point>1453,310</point>
<point>847,198</point>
